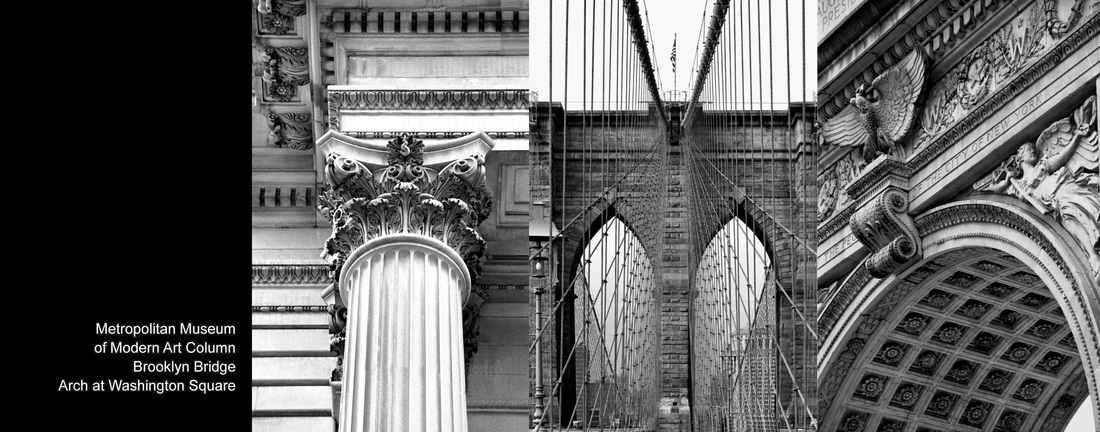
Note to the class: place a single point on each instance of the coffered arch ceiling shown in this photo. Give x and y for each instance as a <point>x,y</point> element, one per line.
<point>990,332</point>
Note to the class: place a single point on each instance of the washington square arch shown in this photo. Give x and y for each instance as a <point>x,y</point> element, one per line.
<point>959,214</point>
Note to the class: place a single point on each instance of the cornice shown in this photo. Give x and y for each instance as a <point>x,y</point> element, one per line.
<point>340,97</point>
<point>941,28</point>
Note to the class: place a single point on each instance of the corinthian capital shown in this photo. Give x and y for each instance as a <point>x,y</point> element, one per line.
<point>405,187</point>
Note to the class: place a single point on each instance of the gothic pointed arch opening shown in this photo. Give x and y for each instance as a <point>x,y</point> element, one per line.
<point>733,324</point>
<point>608,351</point>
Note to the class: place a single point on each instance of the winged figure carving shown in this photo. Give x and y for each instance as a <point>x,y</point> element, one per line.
<point>881,113</point>
<point>1059,174</point>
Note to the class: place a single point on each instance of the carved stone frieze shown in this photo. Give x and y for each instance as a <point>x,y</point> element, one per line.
<point>935,35</point>
<point>929,146</point>
<point>290,130</point>
<point>885,227</point>
<point>284,70</point>
<point>989,66</point>
<point>832,182</point>
<point>406,197</point>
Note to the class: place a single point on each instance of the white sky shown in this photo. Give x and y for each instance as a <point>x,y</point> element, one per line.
<point>1082,421</point>
<point>684,19</point>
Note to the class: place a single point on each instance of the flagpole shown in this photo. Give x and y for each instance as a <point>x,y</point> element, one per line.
<point>675,82</point>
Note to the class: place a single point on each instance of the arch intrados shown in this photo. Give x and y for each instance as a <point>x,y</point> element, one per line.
<point>1058,273</point>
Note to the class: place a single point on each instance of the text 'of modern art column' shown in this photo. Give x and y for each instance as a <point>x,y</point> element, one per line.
<point>405,253</point>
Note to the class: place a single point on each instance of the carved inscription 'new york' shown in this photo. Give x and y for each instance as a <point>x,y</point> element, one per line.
<point>969,150</point>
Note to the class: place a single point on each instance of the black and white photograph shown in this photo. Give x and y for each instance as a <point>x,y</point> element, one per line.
<point>562,215</point>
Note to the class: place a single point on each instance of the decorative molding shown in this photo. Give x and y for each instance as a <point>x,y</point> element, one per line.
<point>438,135</point>
<point>876,174</point>
<point>293,130</point>
<point>290,274</point>
<point>357,99</point>
<point>840,220</point>
<point>358,21</point>
<point>285,69</point>
<point>885,227</point>
<point>277,16</point>
<point>501,287</point>
<point>287,308</point>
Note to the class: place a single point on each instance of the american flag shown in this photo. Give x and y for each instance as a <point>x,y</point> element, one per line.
<point>673,56</point>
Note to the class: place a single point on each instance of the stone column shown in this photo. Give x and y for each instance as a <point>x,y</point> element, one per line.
<point>404,253</point>
<point>403,365</point>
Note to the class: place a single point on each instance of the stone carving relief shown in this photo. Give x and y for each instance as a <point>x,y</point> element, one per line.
<point>277,16</point>
<point>290,130</point>
<point>831,185</point>
<point>880,114</point>
<point>886,228</point>
<point>406,198</point>
<point>471,327</point>
<point>285,69</point>
<point>1058,175</point>
<point>991,65</point>
<point>337,329</point>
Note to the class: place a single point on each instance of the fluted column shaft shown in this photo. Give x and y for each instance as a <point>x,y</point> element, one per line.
<point>403,365</point>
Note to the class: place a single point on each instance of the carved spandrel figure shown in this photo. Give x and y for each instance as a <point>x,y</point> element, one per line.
<point>881,113</point>
<point>1058,175</point>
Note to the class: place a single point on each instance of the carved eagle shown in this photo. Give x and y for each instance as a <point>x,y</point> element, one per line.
<point>880,114</point>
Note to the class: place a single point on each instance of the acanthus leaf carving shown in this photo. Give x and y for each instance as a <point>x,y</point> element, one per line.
<point>337,328</point>
<point>277,16</point>
<point>406,198</point>
<point>291,130</point>
<point>284,70</point>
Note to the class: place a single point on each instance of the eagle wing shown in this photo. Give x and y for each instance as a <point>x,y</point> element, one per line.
<point>898,90</point>
<point>845,129</point>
